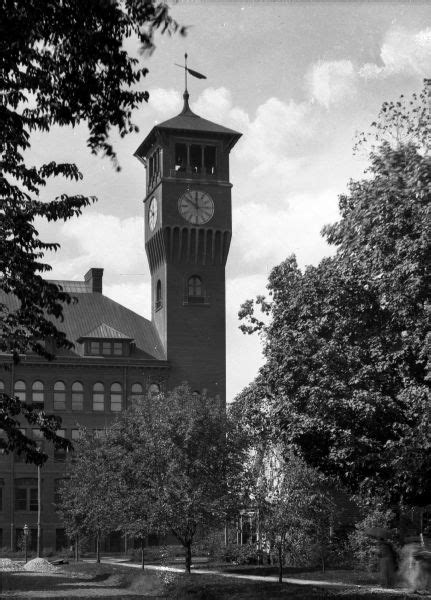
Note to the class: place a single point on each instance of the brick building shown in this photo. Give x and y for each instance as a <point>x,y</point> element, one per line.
<point>118,354</point>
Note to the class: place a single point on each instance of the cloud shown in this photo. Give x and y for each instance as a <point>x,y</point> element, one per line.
<point>331,82</point>
<point>98,240</point>
<point>216,105</point>
<point>239,289</point>
<point>135,296</point>
<point>165,102</point>
<point>402,52</point>
<point>276,131</point>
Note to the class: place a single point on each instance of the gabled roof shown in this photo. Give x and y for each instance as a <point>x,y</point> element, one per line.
<point>93,311</point>
<point>104,331</point>
<point>189,123</point>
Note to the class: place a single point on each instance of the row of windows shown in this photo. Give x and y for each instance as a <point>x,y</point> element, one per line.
<point>60,395</point>
<point>195,158</point>
<point>106,348</point>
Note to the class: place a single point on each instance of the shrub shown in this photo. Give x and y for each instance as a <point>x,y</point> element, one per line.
<point>361,545</point>
<point>240,555</point>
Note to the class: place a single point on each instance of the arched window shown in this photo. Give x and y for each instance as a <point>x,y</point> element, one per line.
<point>98,396</point>
<point>195,290</point>
<point>77,396</point>
<point>153,390</point>
<point>137,391</point>
<point>116,397</point>
<point>19,390</point>
<point>38,394</point>
<point>59,396</point>
<point>158,294</point>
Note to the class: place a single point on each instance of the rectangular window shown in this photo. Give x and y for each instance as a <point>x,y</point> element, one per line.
<point>106,348</point>
<point>180,157</point>
<point>33,499</point>
<point>196,158</point>
<point>60,453</point>
<point>20,498</point>
<point>94,348</point>
<point>77,400</point>
<point>210,159</point>
<point>116,402</point>
<point>3,441</point>
<point>98,401</point>
<point>59,400</point>
<point>118,348</point>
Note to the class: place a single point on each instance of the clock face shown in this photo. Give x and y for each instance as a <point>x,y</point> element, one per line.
<point>152,214</point>
<point>196,207</point>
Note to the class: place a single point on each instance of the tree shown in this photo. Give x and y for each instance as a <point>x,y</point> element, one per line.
<point>137,454</point>
<point>87,494</point>
<point>345,379</point>
<point>299,510</point>
<point>178,464</point>
<point>61,65</point>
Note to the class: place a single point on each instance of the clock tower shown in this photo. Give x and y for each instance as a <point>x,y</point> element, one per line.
<point>188,228</point>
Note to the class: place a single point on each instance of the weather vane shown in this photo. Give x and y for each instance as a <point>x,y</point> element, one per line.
<point>188,70</point>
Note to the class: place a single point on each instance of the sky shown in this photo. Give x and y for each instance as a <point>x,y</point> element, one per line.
<point>299,80</point>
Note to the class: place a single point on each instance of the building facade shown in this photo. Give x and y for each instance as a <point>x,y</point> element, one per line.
<point>119,355</point>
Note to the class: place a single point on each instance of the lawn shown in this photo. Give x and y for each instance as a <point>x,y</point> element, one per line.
<point>90,580</point>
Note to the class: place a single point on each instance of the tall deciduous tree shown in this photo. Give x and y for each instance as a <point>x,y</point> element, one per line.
<point>88,493</point>
<point>347,346</point>
<point>178,464</point>
<point>61,64</point>
<point>298,510</point>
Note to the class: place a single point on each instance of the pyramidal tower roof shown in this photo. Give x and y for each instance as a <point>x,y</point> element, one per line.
<point>187,120</point>
<point>189,123</point>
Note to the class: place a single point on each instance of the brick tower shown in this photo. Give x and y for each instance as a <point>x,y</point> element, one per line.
<point>188,228</point>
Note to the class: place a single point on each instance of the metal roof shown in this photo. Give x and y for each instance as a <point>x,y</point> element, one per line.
<point>188,122</point>
<point>90,310</point>
<point>104,331</point>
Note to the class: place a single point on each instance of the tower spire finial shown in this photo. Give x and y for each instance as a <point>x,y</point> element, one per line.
<point>186,94</point>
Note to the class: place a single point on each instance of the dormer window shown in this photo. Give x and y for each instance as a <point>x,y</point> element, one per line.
<point>104,340</point>
<point>106,348</point>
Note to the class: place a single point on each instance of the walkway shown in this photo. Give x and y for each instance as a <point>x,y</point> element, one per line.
<point>239,576</point>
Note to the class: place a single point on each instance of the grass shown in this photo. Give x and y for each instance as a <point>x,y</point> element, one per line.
<point>92,580</point>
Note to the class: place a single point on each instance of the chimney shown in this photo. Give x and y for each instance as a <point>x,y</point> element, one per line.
<point>93,279</point>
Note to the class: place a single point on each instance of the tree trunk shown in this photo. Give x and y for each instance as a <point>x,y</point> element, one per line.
<point>323,562</point>
<point>142,554</point>
<point>97,547</point>
<point>76,549</point>
<point>188,547</point>
<point>280,564</point>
